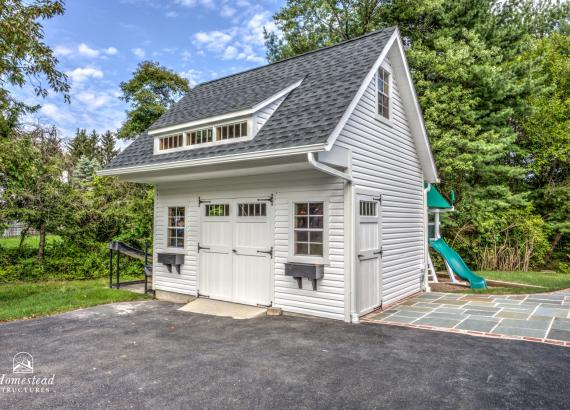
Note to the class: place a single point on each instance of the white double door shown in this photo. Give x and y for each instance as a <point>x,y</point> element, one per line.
<point>368,252</point>
<point>235,250</point>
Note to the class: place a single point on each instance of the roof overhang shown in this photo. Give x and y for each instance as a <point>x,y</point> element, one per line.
<point>147,173</point>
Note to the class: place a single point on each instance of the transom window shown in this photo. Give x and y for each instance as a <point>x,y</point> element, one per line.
<point>200,136</point>
<point>230,131</point>
<point>218,210</point>
<point>383,90</point>
<point>308,229</point>
<point>368,208</point>
<point>175,235</point>
<point>172,141</point>
<point>252,210</point>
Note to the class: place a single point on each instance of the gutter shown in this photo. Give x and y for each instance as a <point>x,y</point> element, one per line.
<point>326,169</point>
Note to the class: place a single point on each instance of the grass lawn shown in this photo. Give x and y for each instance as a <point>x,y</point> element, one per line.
<point>32,241</point>
<point>548,281</point>
<point>28,300</point>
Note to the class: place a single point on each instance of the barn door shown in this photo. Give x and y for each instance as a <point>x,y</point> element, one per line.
<point>368,252</point>
<point>235,250</point>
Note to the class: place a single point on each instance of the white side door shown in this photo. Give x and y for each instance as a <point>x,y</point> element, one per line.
<point>368,252</point>
<point>215,250</point>
<point>252,252</point>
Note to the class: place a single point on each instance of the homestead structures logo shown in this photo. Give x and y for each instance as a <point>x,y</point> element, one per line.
<point>23,364</point>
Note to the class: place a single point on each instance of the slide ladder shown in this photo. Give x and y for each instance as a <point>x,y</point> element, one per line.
<point>459,267</point>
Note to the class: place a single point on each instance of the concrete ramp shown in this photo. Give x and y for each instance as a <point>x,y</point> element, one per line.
<point>219,308</point>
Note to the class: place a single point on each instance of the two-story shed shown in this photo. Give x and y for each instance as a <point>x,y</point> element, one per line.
<point>299,184</point>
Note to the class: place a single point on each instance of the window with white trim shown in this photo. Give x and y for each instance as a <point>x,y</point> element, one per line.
<point>171,141</point>
<point>255,209</point>
<point>176,223</point>
<point>308,229</point>
<point>218,210</point>
<point>368,208</point>
<point>383,91</point>
<point>231,131</point>
<point>201,136</point>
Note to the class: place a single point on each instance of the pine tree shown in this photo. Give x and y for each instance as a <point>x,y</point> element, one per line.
<point>85,170</point>
<point>107,150</point>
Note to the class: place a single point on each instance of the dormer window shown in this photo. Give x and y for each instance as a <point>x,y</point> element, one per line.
<point>171,141</point>
<point>201,136</point>
<point>383,93</point>
<point>205,136</point>
<point>230,131</point>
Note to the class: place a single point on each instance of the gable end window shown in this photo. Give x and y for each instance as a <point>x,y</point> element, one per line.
<point>230,131</point>
<point>383,91</point>
<point>176,223</point>
<point>172,141</point>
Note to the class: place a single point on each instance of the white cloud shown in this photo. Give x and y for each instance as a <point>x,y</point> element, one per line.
<point>80,74</point>
<point>93,99</point>
<point>185,55</point>
<point>194,3</point>
<point>227,11</point>
<point>139,52</point>
<point>54,113</point>
<point>255,28</point>
<point>87,51</point>
<point>111,51</point>
<point>194,76</point>
<point>230,53</point>
<point>62,51</point>
<point>171,14</point>
<point>212,40</point>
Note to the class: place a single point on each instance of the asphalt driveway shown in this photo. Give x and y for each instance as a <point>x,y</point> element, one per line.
<point>150,355</point>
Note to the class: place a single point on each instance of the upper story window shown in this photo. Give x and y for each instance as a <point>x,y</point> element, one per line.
<point>172,141</point>
<point>383,91</point>
<point>229,131</point>
<point>201,136</point>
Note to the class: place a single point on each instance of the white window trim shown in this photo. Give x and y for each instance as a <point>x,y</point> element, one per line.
<point>186,134</point>
<point>176,249</point>
<point>387,121</point>
<point>318,260</point>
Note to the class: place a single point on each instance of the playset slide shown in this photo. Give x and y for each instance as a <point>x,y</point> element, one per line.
<point>457,264</point>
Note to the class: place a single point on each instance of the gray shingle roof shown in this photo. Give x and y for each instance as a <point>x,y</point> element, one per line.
<point>331,77</point>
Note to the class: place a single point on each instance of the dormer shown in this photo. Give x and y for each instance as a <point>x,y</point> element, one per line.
<point>227,128</point>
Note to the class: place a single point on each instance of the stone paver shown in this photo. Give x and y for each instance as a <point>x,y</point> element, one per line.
<point>537,317</point>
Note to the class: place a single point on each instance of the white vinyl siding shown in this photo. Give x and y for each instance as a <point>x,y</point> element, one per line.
<point>288,188</point>
<point>261,116</point>
<point>384,158</point>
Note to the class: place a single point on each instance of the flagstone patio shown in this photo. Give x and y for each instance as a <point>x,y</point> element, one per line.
<point>537,317</point>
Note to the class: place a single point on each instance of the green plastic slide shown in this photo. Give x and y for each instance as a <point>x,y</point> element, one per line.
<point>459,267</point>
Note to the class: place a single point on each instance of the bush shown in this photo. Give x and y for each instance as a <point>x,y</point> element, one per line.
<point>64,260</point>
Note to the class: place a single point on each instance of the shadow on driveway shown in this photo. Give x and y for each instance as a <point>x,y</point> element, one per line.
<point>150,355</point>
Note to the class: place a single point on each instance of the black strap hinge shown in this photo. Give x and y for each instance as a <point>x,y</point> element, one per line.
<point>270,199</point>
<point>202,201</point>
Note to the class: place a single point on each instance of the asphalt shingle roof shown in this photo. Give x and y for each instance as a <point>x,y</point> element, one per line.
<point>331,77</point>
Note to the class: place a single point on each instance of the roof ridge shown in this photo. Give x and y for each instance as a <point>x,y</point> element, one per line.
<point>302,54</point>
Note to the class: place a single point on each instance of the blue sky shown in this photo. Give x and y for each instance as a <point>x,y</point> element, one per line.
<point>99,44</point>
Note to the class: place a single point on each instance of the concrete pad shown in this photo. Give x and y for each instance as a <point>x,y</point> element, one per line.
<point>218,308</point>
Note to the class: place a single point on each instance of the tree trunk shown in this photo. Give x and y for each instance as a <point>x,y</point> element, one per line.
<point>553,246</point>
<point>23,235</point>
<point>42,245</point>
